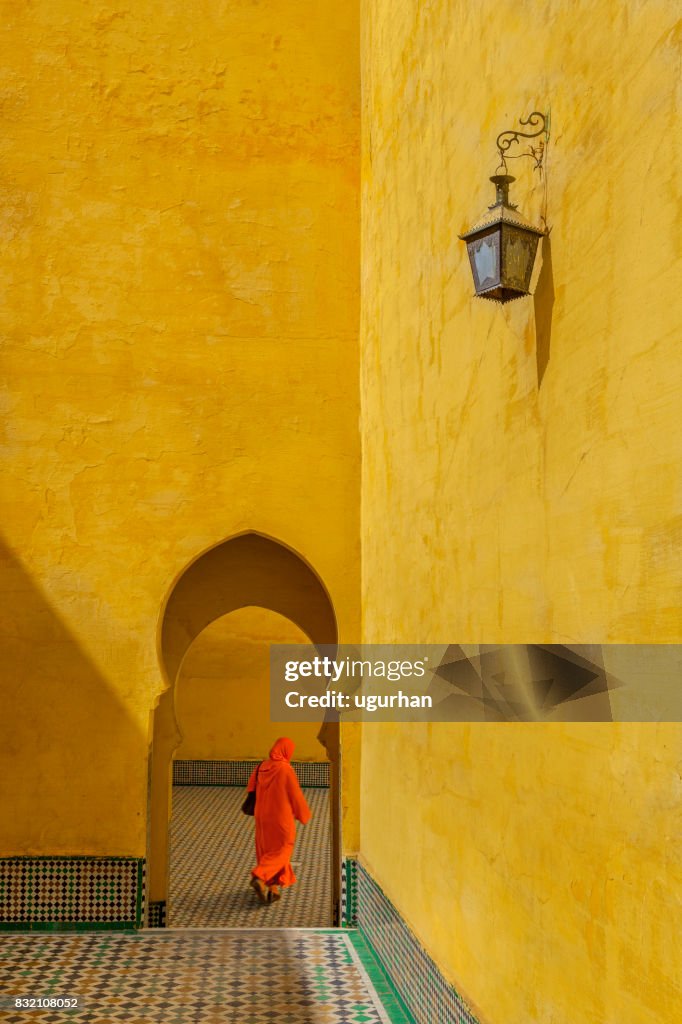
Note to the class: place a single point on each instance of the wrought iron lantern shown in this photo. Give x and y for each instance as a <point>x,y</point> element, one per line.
<point>503,244</point>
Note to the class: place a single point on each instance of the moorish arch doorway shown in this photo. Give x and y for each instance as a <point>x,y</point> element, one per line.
<point>248,570</point>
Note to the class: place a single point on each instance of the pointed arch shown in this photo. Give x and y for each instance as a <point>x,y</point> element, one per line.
<point>244,570</point>
<point>248,569</point>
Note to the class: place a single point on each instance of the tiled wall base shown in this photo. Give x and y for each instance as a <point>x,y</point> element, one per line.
<point>156,914</point>
<point>70,893</point>
<point>424,990</point>
<point>349,893</point>
<point>312,774</point>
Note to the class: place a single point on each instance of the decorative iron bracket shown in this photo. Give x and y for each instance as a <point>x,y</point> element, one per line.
<point>508,138</point>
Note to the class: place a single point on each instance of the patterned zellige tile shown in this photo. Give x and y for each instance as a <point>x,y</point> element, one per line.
<point>42,892</point>
<point>311,774</point>
<point>177,977</point>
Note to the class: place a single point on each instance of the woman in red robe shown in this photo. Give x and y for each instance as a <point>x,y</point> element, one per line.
<point>279,801</point>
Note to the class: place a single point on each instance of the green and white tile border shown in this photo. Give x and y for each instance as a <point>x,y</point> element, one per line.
<point>390,998</point>
<point>311,774</point>
<point>416,980</point>
<point>71,893</point>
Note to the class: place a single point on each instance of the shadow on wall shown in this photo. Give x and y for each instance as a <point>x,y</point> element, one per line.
<point>543,301</point>
<point>66,742</point>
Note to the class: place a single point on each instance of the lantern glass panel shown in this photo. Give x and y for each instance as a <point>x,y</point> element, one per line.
<point>484,255</point>
<point>518,256</point>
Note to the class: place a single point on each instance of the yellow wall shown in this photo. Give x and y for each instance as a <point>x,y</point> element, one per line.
<point>222,696</point>
<point>180,304</point>
<point>527,460</point>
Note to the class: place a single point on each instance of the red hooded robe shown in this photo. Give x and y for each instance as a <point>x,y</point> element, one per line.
<point>279,801</point>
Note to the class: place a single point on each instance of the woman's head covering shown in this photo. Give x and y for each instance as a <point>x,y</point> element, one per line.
<point>282,749</point>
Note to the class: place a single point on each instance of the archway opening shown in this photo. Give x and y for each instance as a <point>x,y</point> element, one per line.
<point>222,706</point>
<point>251,575</point>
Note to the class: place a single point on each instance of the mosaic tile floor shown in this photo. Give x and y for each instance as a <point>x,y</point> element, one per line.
<point>212,854</point>
<point>256,976</point>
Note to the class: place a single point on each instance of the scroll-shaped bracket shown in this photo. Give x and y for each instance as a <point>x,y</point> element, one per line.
<point>508,138</point>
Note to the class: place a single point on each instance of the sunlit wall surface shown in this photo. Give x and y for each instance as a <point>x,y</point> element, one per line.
<point>521,484</point>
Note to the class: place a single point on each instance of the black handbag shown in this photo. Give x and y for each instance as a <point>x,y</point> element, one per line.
<point>249,805</point>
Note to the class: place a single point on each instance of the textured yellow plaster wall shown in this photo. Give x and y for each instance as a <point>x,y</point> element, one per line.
<point>180,301</point>
<point>521,483</point>
<point>222,696</point>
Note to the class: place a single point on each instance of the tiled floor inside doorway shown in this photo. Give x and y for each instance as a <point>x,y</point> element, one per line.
<point>212,854</point>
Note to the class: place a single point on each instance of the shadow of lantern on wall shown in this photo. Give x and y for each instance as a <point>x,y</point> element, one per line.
<point>503,244</point>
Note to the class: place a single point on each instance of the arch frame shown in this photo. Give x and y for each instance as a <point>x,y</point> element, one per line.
<point>174,637</point>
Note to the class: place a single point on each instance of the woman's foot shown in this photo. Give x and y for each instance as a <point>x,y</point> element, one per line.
<point>273,893</point>
<point>260,889</point>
